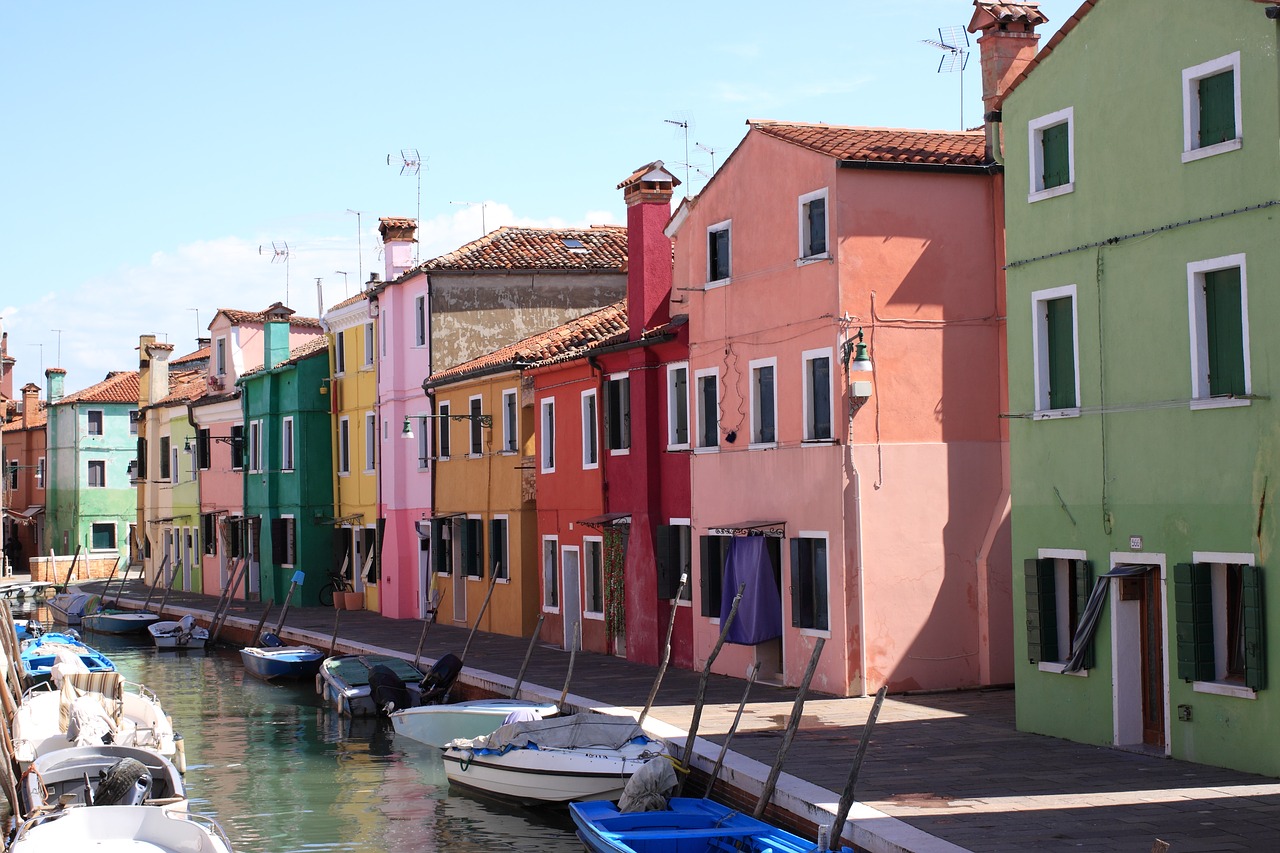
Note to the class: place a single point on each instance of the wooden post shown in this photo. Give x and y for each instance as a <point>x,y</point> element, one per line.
<point>106,588</point>
<point>702,687</point>
<point>796,711</point>
<point>752,672</point>
<point>257,632</point>
<point>123,579</point>
<point>573,655</point>
<point>493,580</point>
<point>666,649</point>
<point>224,605</point>
<point>156,583</point>
<point>846,798</point>
<point>333,640</point>
<point>432,610</point>
<point>71,571</point>
<point>164,602</point>
<point>298,577</point>
<point>528,653</point>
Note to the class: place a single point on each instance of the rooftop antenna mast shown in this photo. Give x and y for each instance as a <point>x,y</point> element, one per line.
<point>59,362</point>
<point>197,310</point>
<point>279,254</point>
<point>955,41</point>
<point>684,122</point>
<point>359,250</point>
<point>480,204</point>
<point>411,164</point>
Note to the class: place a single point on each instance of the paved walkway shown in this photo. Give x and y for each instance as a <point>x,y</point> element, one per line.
<point>943,772</point>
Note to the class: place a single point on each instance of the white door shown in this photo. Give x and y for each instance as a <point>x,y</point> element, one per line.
<point>570,586</point>
<point>424,570</point>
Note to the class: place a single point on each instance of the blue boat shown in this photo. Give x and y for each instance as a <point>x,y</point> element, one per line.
<point>687,825</point>
<point>274,660</point>
<point>40,654</point>
<point>112,621</point>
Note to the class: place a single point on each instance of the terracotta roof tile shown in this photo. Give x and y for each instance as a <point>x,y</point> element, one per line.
<point>359,297</point>
<point>569,340</point>
<point>36,421</point>
<point>184,387</point>
<point>304,350</point>
<point>880,144</point>
<point>238,317</point>
<point>202,354</point>
<point>120,386</point>
<point>604,247</point>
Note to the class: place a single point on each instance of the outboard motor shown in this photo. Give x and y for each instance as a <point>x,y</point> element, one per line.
<point>125,783</point>
<point>270,641</point>
<point>441,677</point>
<point>387,690</point>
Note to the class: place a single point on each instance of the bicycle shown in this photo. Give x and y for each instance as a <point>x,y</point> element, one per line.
<point>337,583</point>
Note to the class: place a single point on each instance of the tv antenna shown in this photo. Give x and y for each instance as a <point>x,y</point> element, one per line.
<point>480,204</point>
<point>59,361</point>
<point>684,121</point>
<point>359,250</point>
<point>279,255</point>
<point>197,310</point>
<point>955,41</point>
<point>343,273</point>
<point>711,152</point>
<point>411,164</point>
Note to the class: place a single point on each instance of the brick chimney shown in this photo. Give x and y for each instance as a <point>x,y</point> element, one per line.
<point>275,335</point>
<point>647,193</point>
<point>30,403</point>
<point>6,368</point>
<point>398,238</point>
<point>1007,44</point>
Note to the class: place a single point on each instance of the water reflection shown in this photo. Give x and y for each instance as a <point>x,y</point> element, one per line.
<point>284,775</point>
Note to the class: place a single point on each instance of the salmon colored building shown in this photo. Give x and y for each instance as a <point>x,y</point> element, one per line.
<point>865,506</point>
<point>23,437</point>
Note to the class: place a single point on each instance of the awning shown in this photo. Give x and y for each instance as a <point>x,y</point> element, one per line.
<point>25,517</point>
<point>608,519</point>
<point>776,529</point>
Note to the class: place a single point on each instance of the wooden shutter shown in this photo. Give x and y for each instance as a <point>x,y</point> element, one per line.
<point>708,563</point>
<point>1225,332</point>
<point>764,399</point>
<point>438,544</point>
<point>817,224</point>
<point>498,547</point>
<point>1193,609</point>
<point>820,394</point>
<point>1042,610</point>
<point>1060,326</point>
<point>1056,156</point>
<point>202,449</point>
<point>1255,637</point>
<point>709,412</point>
<point>665,552</point>
<point>1082,575</point>
<point>680,401</point>
<point>142,458</point>
<point>469,555</point>
<point>1217,108</point>
<point>279,541</point>
<point>798,608</point>
<point>819,563</point>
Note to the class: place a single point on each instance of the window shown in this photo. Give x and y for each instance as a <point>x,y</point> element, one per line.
<point>370,442</point>
<point>617,413</point>
<point>344,445</point>
<point>209,532</point>
<point>237,447</point>
<point>97,473</point>
<point>550,574</point>
<point>509,422</point>
<point>1220,613</point>
<point>1057,588</point>
<point>1055,348</point>
<point>102,536</point>
<point>255,446</point>
<point>40,473</point>
<point>340,353</point>
<point>1219,309</point>
<point>498,557</point>
<point>133,422</point>
<point>283,541</point>
<point>423,443</point>
<point>547,441</point>
<point>203,444</point>
<point>590,435</point>
<point>11,474</point>
<point>472,546</point>
<point>708,409</point>
<point>368,344</point>
<point>420,321</point>
<point>677,406</point>
<point>809,581</point>
<point>712,553</point>
<point>286,444</point>
<point>593,576</point>
<point>173,465</point>
<point>817,395</point>
<point>1051,152</point>
<point>442,545</point>
<point>220,357</point>
<point>813,225</point>
<point>477,438</point>
<point>764,408</point>
<point>718,253</point>
<point>442,424</point>
<point>165,469</point>
<point>95,421</point>
<point>1211,110</point>
<point>674,557</point>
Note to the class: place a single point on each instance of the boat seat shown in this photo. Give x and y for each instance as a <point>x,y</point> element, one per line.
<point>107,686</point>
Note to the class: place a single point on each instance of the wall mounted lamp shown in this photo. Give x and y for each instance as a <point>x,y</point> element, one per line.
<point>407,432</point>
<point>857,366</point>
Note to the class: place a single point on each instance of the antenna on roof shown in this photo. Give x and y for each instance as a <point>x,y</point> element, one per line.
<point>280,254</point>
<point>955,41</point>
<point>411,164</point>
<point>712,152</point>
<point>482,205</point>
<point>684,122</point>
<point>197,310</point>
<point>59,331</point>
<point>359,250</point>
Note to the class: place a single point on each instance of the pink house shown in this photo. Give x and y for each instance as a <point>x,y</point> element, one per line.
<point>866,503</point>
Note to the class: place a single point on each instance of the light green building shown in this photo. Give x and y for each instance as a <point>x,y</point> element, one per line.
<point>1143,209</point>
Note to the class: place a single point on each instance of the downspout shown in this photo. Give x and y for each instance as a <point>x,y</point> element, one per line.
<point>334,420</point>
<point>855,479</point>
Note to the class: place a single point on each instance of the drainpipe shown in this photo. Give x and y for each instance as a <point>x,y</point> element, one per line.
<point>855,478</point>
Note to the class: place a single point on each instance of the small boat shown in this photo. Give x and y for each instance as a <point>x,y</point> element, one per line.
<point>29,591</point>
<point>274,660</point>
<point>89,709</point>
<point>102,775</point>
<point>112,621</point>
<point>579,757</point>
<point>28,629</point>
<point>120,828</point>
<point>68,608</point>
<point>41,654</point>
<point>687,825</point>
<point>367,685</point>
<point>182,634</point>
<point>438,725</point>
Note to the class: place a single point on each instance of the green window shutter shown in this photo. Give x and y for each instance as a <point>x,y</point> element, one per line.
<point>1255,637</point>
<point>498,546</point>
<point>1056,156</point>
<point>668,575</point>
<point>1217,108</point>
<point>1060,325</point>
<point>1082,574</point>
<point>1193,619</point>
<point>709,608</point>
<point>438,561</point>
<point>1042,611</point>
<point>279,541</point>
<point>1224,323</point>
<point>820,584</point>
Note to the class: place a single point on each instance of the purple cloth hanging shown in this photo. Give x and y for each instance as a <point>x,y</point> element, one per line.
<point>760,613</point>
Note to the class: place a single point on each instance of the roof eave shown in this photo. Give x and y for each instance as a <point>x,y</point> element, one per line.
<point>991,168</point>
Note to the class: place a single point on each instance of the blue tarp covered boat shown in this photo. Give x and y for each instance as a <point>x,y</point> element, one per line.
<point>40,654</point>
<point>687,825</point>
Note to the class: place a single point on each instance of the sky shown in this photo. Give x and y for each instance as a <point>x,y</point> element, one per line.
<point>156,158</point>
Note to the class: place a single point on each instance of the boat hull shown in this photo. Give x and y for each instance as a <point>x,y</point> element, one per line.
<point>282,662</point>
<point>39,728</point>
<point>118,621</point>
<point>182,634</point>
<point>343,682</point>
<point>38,656</point>
<point>686,826</point>
<point>437,725</point>
<point>68,608</point>
<point>120,828</point>
<point>64,773</point>
<point>533,776</point>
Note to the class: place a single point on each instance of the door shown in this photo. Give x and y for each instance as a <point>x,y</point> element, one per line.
<point>253,585</point>
<point>425,577</point>
<point>1139,655</point>
<point>1153,687</point>
<point>571,597</point>
<point>188,557</point>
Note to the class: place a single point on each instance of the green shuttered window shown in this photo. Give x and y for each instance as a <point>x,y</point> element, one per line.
<point>1060,326</point>
<point>1055,156</point>
<point>1217,108</point>
<point>1051,624</point>
<point>1225,332</point>
<point>1238,622</point>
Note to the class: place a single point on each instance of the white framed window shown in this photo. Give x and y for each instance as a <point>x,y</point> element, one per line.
<point>1058,584</point>
<point>94,418</point>
<point>819,413</point>
<point>237,447</point>
<point>809,582</point>
<point>370,442</point>
<point>593,577</point>
<point>286,443</point>
<point>678,406</point>
<point>284,541</point>
<point>550,574</point>
<point>499,548</point>
<point>133,422</point>
<point>255,449</point>
<point>547,437</point>
<point>708,408</point>
<point>424,442</point>
<point>444,444</point>
<point>97,473</point>
<point>344,445</point>
<point>719,253</point>
<point>339,353</point>
<point>617,413</point>
<point>1055,352</point>
<point>420,321</point>
<point>764,402</point>
<point>368,344</point>
<point>1218,306</point>
<point>1222,623</point>
<point>220,356</point>
<point>590,431</point>
<point>814,234</point>
<point>673,556</point>
<point>40,473</point>
<point>1051,153</point>
<point>477,436</point>
<point>1211,109</point>
<point>510,421</point>
<point>166,470</point>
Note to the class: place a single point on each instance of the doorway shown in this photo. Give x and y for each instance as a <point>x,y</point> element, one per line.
<point>1139,649</point>
<point>571,599</point>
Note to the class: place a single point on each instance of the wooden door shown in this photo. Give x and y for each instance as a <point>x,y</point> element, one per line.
<point>1153,686</point>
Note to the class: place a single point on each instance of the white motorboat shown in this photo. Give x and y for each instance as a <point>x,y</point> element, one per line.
<point>438,725</point>
<point>68,608</point>
<point>102,775</point>
<point>367,685</point>
<point>181,634</point>
<point>120,828</point>
<point>557,760</point>
<point>86,710</point>
<point>113,621</point>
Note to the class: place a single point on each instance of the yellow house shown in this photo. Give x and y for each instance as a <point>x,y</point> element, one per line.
<point>353,400</point>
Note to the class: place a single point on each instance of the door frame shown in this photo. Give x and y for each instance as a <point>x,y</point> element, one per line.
<point>570,592</point>
<point>1126,681</point>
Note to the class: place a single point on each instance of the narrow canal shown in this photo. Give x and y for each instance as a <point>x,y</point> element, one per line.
<point>282,774</point>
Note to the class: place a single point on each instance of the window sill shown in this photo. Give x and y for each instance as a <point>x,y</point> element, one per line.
<point>680,446</point>
<point>593,615</point>
<point>546,470</point>
<point>620,451</point>
<point>590,466</point>
<point>1058,667</point>
<point>475,455</point>
<point>506,453</point>
<point>764,445</point>
<point>340,473</point>
<point>818,442</point>
<point>1054,414</point>
<point>555,610</point>
<point>712,285</point>
<point>701,450</point>
<point>1222,688</point>
<point>474,578</point>
<point>1219,403</point>
<point>1212,150</point>
<point>812,259</point>
<point>1052,192</point>
<point>815,632</point>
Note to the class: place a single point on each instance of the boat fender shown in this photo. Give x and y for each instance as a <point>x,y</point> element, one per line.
<point>125,783</point>
<point>179,752</point>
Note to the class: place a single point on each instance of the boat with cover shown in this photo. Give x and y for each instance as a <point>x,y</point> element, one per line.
<point>41,654</point>
<point>102,775</point>
<point>369,685</point>
<point>119,828</point>
<point>274,660</point>
<point>68,608</point>
<point>181,634</point>
<point>438,725</point>
<point>578,757</point>
<point>687,825</point>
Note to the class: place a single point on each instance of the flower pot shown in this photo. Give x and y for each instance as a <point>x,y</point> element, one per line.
<point>353,600</point>
<point>339,600</point>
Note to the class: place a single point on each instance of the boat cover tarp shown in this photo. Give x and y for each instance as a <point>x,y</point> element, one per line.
<point>647,789</point>
<point>572,732</point>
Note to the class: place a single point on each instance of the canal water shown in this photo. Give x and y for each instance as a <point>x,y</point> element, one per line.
<point>283,774</point>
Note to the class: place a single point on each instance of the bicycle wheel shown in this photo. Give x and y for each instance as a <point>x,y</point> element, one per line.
<point>326,595</point>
